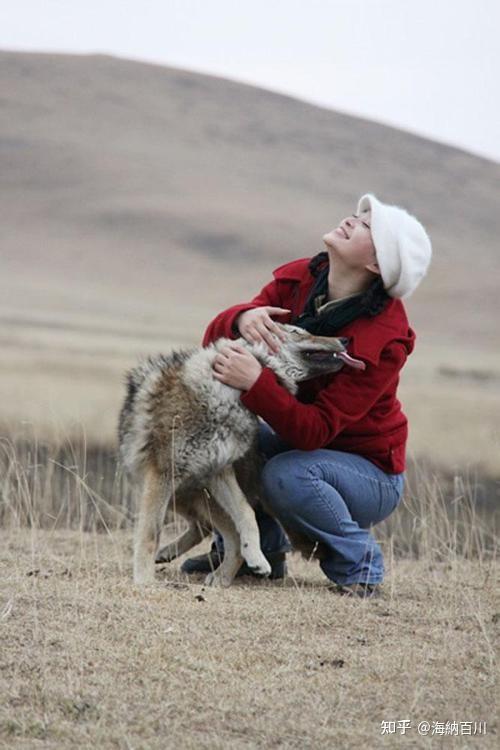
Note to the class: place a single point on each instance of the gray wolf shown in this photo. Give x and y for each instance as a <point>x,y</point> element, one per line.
<point>181,435</point>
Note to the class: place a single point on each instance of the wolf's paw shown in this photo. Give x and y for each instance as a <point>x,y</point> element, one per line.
<point>166,554</point>
<point>216,580</point>
<point>257,564</point>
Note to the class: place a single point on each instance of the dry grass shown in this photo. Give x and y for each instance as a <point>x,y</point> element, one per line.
<point>60,375</point>
<point>90,660</point>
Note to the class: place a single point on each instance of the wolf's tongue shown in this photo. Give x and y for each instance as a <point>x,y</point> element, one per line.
<point>357,363</point>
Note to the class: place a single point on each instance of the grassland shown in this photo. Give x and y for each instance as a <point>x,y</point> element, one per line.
<point>87,659</point>
<point>64,378</point>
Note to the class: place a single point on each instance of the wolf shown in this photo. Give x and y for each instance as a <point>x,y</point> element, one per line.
<point>182,435</point>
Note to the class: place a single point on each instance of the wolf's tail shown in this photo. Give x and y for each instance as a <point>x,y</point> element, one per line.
<point>132,435</point>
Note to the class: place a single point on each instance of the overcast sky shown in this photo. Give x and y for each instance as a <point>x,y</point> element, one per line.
<point>428,66</point>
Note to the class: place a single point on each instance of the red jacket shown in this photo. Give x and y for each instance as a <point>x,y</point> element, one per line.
<point>351,410</point>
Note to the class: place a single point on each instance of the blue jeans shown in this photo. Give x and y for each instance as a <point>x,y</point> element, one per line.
<point>332,498</point>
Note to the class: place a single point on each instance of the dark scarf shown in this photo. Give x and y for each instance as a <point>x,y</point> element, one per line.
<point>327,323</point>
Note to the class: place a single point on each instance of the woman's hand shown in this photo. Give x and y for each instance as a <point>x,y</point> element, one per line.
<point>235,366</point>
<point>257,325</point>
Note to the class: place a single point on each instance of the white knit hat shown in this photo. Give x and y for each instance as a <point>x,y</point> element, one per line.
<point>402,246</point>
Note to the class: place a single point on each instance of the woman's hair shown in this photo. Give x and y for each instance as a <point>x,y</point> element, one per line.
<point>374,299</point>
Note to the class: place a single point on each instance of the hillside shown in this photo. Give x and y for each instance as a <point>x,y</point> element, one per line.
<point>139,200</point>
<point>122,169</point>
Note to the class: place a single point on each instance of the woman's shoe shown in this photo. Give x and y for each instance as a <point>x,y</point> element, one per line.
<point>211,560</point>
<point>203,563</point>
<point>363,590</point>
<point>277,561</point>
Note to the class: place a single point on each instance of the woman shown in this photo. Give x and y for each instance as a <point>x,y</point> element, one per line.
<point>335,452</point>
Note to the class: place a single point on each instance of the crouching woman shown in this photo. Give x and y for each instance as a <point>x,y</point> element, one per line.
<point>335,452</point>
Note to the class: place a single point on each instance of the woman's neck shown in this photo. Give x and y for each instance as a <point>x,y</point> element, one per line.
<point>344,281</point>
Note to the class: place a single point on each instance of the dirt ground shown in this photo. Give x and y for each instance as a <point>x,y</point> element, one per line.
<point>89,660</point>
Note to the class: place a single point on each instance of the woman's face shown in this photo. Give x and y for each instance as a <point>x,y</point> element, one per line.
<point>352,241</point>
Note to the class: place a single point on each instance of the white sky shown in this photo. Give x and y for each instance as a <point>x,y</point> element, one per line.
<point>428,66</point>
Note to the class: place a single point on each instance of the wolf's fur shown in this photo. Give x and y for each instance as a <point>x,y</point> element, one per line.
<point>182,433</point>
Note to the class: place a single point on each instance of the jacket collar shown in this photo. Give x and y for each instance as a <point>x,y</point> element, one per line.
<point>296,270</point>
<point>368,335</point>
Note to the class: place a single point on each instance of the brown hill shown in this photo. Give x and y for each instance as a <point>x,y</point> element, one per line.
<point>126,173</point>
<point>139,200</point>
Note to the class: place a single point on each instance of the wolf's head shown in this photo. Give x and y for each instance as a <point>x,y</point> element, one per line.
<point>302,356</point>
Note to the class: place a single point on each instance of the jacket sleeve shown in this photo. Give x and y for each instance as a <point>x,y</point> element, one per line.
<point>222,324</point>
<point>345,400</point>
